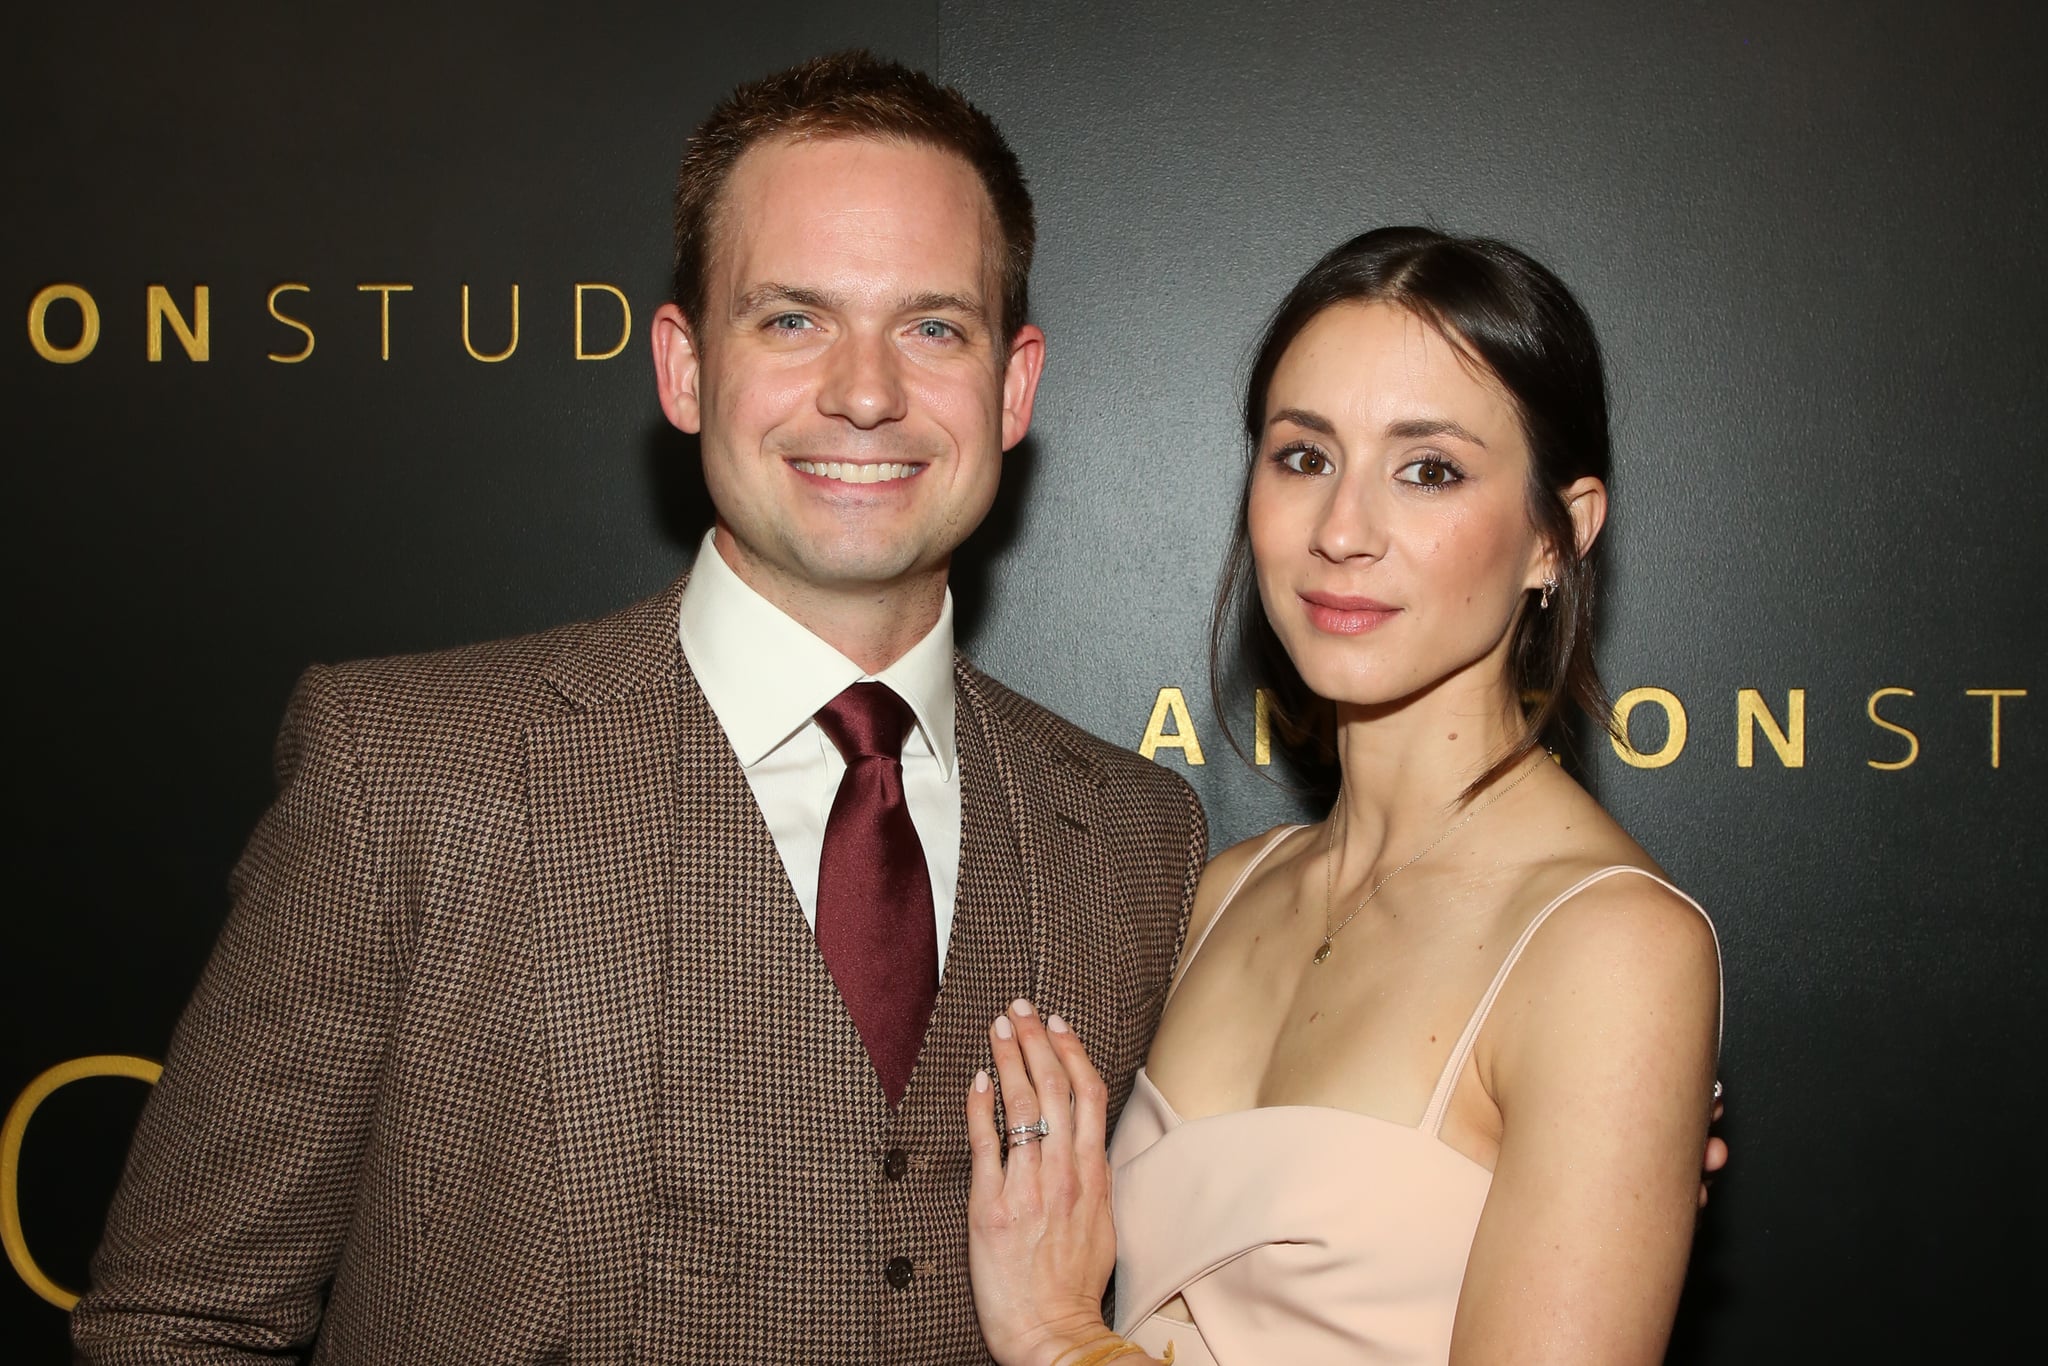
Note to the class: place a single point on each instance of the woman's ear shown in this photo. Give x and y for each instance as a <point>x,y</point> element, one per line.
<point>1587,499</point>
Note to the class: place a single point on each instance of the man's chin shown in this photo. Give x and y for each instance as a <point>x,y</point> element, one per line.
<point>854,564</point>
<point>877,572</point>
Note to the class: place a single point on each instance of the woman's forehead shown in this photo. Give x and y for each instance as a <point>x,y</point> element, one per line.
<point>1372,365</point>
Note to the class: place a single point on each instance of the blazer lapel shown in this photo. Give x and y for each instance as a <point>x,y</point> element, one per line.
<point>1078,943</point>
<point>602,800</point>
<point>1036,912</point>
<point>989,953</point>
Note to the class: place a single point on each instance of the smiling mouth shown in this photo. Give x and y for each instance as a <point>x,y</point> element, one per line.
<point>847,472</point>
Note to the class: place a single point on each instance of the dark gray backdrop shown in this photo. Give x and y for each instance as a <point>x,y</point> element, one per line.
<point>1809,241</point>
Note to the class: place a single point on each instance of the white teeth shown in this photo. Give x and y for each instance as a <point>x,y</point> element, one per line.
<point>847,473</point>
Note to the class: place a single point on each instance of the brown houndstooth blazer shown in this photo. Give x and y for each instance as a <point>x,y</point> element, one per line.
<point>516,1047</point>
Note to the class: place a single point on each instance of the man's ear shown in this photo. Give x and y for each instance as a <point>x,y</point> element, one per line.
<point>1020,382</point>
<point>677,366</point>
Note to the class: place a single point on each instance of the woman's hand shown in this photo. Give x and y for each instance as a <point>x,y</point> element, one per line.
<point>1717,1148</point>
<point>1040,1241</point>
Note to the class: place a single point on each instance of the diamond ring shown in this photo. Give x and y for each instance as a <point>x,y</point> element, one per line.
<point>1029,1133</point>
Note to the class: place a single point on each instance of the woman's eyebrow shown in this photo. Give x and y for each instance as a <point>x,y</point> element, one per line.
<point>1302,417</point>
<point>1416,427</point>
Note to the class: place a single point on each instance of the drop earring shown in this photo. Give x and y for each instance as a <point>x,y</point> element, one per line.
<point>1549,587</point>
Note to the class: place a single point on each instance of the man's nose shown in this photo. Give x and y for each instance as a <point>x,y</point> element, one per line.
<point>863,381</point>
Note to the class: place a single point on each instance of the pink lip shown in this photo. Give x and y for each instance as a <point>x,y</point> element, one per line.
<point>1346,616</point>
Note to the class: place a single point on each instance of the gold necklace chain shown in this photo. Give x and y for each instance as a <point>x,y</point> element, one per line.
<point>1330,862</point>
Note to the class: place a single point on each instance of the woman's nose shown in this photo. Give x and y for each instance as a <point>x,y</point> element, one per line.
<point>1348,525</point>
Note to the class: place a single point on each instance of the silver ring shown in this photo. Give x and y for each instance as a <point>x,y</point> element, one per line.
<point>1029,1133</point>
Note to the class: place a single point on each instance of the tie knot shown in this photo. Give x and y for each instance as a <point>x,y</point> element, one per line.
<point>867,721</point>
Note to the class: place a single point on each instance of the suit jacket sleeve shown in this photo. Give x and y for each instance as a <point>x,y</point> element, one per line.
<point>238,1189</point>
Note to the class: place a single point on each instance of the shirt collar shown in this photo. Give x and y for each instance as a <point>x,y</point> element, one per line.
<point>765,676</point>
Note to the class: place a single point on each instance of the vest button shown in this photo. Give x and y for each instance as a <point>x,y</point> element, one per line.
<point>896,1164</point>
<point>897,1273</point>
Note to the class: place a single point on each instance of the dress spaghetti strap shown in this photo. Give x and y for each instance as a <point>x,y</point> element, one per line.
<point>1447,1082</point>
<point>1188,959</point>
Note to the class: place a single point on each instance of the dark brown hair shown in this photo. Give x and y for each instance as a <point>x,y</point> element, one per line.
<point>1517,321</point>
<point>849,95</point>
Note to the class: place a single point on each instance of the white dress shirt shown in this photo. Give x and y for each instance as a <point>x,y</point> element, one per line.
<point>766,677</point>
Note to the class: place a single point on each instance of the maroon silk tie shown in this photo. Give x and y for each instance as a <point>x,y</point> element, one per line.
<point>875,924</point>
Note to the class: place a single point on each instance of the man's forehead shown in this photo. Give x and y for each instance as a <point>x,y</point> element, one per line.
<point>846,202</point>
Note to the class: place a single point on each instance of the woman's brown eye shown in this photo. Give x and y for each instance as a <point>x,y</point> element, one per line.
<point>1430,472</point>
<point>1303,460</point>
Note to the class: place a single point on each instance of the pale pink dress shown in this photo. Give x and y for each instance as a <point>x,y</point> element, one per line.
<point>1300,1233</point>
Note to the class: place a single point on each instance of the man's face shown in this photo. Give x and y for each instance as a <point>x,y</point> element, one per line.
<point>848,380</point>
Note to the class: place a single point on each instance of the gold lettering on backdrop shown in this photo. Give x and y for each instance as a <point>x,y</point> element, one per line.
<point>625,322</point>
<point>1997,696</point>
<point>196,338</point>
<point>1171,726</point>
<point>1171,704</point>
<point>307,350</point>
<point>470,347</point>
<point>1912,740</point>
<point>1674,727</point>
<point>384,293</point>
<point>11,1131</point>
<point>1751,711</point>
<point>39,317</point>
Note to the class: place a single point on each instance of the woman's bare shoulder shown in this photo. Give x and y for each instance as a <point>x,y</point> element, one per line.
<point>1228,867</point>
<point>1625,950</point>
<point>1607,885</point>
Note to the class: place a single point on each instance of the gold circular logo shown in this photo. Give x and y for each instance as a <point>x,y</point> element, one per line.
<point>63,1074</point>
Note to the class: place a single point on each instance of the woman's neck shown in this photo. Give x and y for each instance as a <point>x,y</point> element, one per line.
<point>1405,767</point>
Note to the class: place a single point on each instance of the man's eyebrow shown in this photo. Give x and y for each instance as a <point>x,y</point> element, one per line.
<point>962,304</point>
<point>1302,417</point>
<point>773,293</point>
<point>1417,427</point>
<point>762,295</point>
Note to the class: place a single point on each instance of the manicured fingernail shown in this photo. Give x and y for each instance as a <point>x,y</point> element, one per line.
<point>1022,1007</point>
<point>1004,1029</point>
<point>1055,1024</point>
<point>981,1081</point>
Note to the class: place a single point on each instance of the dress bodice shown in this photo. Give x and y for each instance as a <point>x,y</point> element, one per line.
<point>1295,1232</point>
<point>1301,1233</point>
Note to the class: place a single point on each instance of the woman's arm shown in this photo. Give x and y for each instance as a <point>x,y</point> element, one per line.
<point>1602,1064</point>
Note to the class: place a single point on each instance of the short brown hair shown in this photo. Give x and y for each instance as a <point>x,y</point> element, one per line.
<point>850,94</point>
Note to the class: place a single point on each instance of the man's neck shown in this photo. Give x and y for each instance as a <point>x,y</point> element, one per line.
<point>874,625</point>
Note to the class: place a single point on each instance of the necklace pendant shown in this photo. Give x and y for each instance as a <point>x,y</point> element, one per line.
<point>1323,953</point>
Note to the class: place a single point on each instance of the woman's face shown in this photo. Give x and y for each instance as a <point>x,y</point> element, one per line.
<point>1389,514</point>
